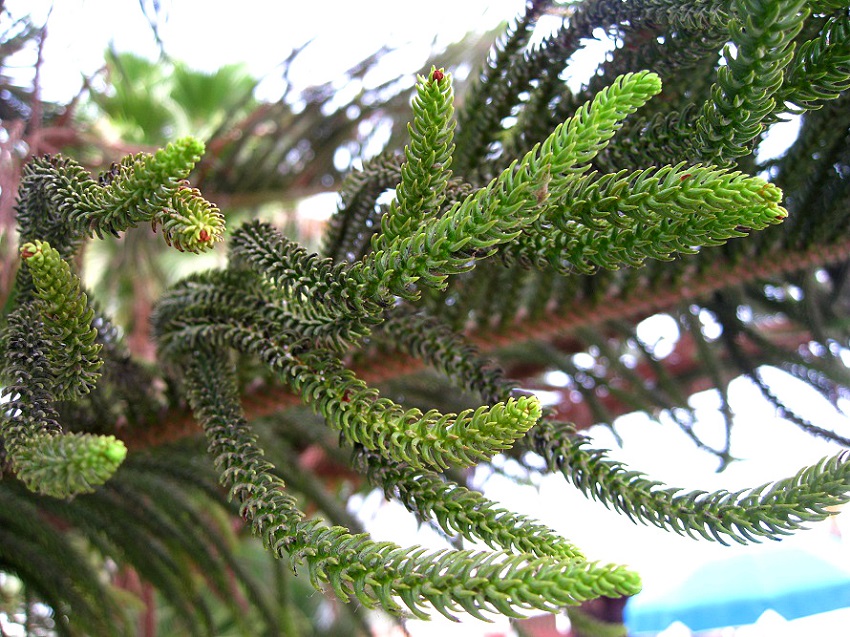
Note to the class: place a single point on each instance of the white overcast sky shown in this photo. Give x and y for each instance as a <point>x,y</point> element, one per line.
<point>207,34</point>
<point>261,33</point>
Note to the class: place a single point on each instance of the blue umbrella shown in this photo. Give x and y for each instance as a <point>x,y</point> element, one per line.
<point>735,591</point>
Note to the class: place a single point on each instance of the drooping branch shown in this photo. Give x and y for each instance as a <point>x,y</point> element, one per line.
<point>376,572</point>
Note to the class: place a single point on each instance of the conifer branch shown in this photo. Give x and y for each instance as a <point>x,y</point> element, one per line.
<point>356,566</point>
<point>358,411</point>
<point>677,13</point>
<point>190,223</point>
<point>788,414</point>
<point>27,380</point>
<point>460,510</point>
<point>313,286</point>
<point>357,210</point>
<point>497,213</point>
<point>40,212</point>
<point>827,6</point>
<point>575,143</point>
<point>52,347</point>
<point>586,199</point>
<point>409,435</point>
<point>54,564</point>
<point>425,172</point>
<point>749,515</point>
<point>743,96</point>
<point>490,99</point>
<point>67,464</point>
<point>624,218</point>
<point>74,358</point>
<point>196,307</point>
<point>426,339</point>
<point>45,459</point>
<point>140,189</point>
<point>821,67</point>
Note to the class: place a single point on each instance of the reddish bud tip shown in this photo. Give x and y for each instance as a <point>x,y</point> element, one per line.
<point>26,254</point>
<point>437,75</point>
<point>203,235</point>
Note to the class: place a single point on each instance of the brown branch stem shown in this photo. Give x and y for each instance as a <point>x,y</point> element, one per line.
<point>269,399</point>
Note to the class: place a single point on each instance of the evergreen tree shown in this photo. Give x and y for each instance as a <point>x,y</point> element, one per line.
<point>527,223</point>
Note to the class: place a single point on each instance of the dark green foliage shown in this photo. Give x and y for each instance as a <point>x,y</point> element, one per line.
<point>742,98</point>
<point>543,222</point>
<point>489,101</point>
<point>27,380</point>
<point>51,347</point>
<point>377,572</point>
<point>153,516</point>
<point>745,516</point>
<point>427,339</point>
<point>821,68</point>
<point>459,510</point>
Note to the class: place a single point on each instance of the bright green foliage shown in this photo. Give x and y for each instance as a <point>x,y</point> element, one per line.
<point>425,172</point>
<point>190,223</point>
<point>153,188</point>
<point>575,143</point>
<point>140,185</point>
<point>67,464</point>
<point>377,572</point>
<point>624,218</point>
<point>140,189</point>
<point>408,435</point>
<point>52,343</point>
<point>150,102</point>
<point>497,214</point>
<point>67,320</point>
